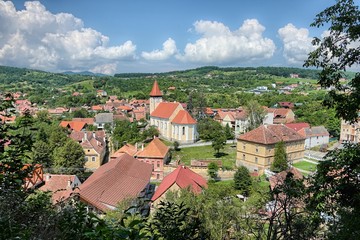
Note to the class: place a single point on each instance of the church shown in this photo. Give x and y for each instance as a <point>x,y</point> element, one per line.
<point>172,120</point>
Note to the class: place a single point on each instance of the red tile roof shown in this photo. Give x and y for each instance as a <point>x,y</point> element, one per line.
<point>155,149</point>
<point>124,177</point>
<point>183,177</point>
<point>271,134</point>
<point>59,185</point>
<point>73,125</point>
<point>183,117</point>
<point>165,109</point>
<point>279,178</point>
<point>127,148</point>
<point>297,126</point>
<point>89,121</point>
<point>155,91</point>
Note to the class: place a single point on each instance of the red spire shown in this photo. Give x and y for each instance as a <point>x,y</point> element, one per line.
<point>155,91</point>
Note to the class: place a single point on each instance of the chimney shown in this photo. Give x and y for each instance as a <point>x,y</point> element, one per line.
<point>68,183</point>
<point>93,134</point>
<point>85,137</point>
<point>136,146</point>
<point>142,147</point>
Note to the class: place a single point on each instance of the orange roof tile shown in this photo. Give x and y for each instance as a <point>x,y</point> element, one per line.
<point>127,148</point>
<point>183,177</point>
<point>155,91</point>
<point>271,134</point>
<point>183,117</point>
<point>165,109</point>
<point>155,149</point>
<point>89,121</point>
<point>297,126</point>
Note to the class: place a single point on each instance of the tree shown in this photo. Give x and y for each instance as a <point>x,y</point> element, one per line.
<point>280,158</point>
<point>42,154</point>
<point>213,169</point>
<point>43,116</point>
<point>255,114</point>
<point>228,132</point>
<point>176,145</point>
<point>242,180</point>
<point>219,143</point>
<point>70,158</point>
<point>336,53</point>
<point>208,129</point>
<point>150,132</point>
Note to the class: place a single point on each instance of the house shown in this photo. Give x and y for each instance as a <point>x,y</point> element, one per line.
<point>350,132</point>
<point>101,93</point>
<point>73,125</point>
<point>94,145</point>
<point>97,108</point>
<point>256,149</point>
<point>315,136</point>
<point>173,122</point>
<point>279,178</point>
<point>59,111</point>
<point>181,178</point>
<point>88,121</point>
<point>286,105</point>
<point>114,182</point>
<point>241,121</point>
<point>61,186</point>
<point>101,119</point>
<point>155,153</point>
<point>282,115</point>
<point>225,118</point>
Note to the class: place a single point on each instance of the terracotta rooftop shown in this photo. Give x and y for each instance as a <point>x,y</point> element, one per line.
<point>89,121</point>
<point>183,117</point>
<point>183,177</point>
<point>155,91</point>
<point>279,178</point>
<point>271,134</point>
<point>124,177</point>
<point>155,149</point>
<point>165,109</point>
<point>127,148</point>
<point>297,126</point>
<point>73,125</point>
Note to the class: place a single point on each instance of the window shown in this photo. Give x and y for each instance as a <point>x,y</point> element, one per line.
<point>268,161</point>
<point>244,146</point>
<point>183,130</point>
<point>157,176</point>
<point>158,164</point>
<point>86,159</point>
<point>93,159</point>
<point>243,156</point>
<point>256,160</point>
<point>257,149</point>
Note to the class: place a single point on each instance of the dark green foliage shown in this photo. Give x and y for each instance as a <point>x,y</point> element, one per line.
<point>176,145</point>
<point>70,158</point>
<point>280,158</point>
<point>125,132</point>
<point>255,113</point>
<point>42,154</point>
<point>336,53</point>
<point>150,133</point>
<point>213,169</point>
<point>208,129</point>
<point>174,221</point>
<point>242,180</point>
<point>218,143</point>
<point>228,132</point>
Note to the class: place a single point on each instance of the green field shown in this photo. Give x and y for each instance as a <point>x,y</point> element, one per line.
<point>207,153</point>
<point>307,166</point>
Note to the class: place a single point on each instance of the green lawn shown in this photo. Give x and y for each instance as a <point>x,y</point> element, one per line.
<point>206,153</point>
<point>307,166</point>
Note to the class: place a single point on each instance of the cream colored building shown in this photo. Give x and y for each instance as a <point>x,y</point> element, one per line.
<point>349,132</point>
<point>256,149</point>
<point>173,122</point>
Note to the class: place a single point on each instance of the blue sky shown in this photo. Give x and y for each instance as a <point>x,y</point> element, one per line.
<point>156,35</point>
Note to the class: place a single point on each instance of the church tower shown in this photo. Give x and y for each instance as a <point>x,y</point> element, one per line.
<point>155,97</point>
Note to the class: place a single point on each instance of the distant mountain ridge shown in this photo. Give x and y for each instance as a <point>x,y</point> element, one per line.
<point>85,73</point>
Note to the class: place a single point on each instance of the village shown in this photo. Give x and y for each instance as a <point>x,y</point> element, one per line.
<point>149,169</point>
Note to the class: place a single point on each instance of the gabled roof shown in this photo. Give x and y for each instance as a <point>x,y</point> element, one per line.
<point>73,125</point>
<point>155,149</point>
<point>183,177</point>
<point>124,177</point>
<point>279,178</point>
<point>127,148</point>
<point>279,112</point>
<point>89,121</point>
<point>297,126</point>
<point>61,186</point>
<point>104,117</point>
<point>183,117</point>
<point>155,91</point>
<point>165,109</point>
<point>271,134</point>
<point>314,131</point>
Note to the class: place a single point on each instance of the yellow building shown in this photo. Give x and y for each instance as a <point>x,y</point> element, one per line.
<point>173,122</point>
<point>94,145</point>
<point>349,132</point>
<point>256,149</point>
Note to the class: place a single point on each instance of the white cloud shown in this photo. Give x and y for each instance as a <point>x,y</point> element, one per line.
<point>168,50</point>
<point>108,69</point>
<point>297,43</point>
<point>218,44</point>
<point>37,38</point>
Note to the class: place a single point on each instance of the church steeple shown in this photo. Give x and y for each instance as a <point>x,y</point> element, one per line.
<point>155,91</point>
<point>155,97</point>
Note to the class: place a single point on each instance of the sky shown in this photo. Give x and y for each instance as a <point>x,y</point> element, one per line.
<point>123,36</point>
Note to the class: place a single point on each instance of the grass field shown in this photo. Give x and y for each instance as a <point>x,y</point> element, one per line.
<point>207,153</point>
<point>307,166</point>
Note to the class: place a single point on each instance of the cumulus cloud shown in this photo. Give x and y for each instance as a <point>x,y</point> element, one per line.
<point>297,43</point>
<point>218,44</point>
<point>37,38</point>
<point>168,50</point>
<point>108,69</point>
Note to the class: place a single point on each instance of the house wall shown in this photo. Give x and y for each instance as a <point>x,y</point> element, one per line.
<point>158,167</point>
<point>173,188</point>
<point>258,157</point>
<point>316,141</point>
<point>184,133</point>
<point>94,160</point>
<point>349,132</point>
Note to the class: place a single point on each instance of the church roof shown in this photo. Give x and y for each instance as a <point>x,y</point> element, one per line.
<point>155,91</point>
<point>165,110</point>
<point>183,117</point>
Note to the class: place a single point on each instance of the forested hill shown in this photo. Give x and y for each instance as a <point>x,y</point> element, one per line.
<point>209,70</point>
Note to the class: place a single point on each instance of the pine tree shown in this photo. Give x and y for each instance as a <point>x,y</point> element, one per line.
<point>242,180</point>
<point>280,158</point>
